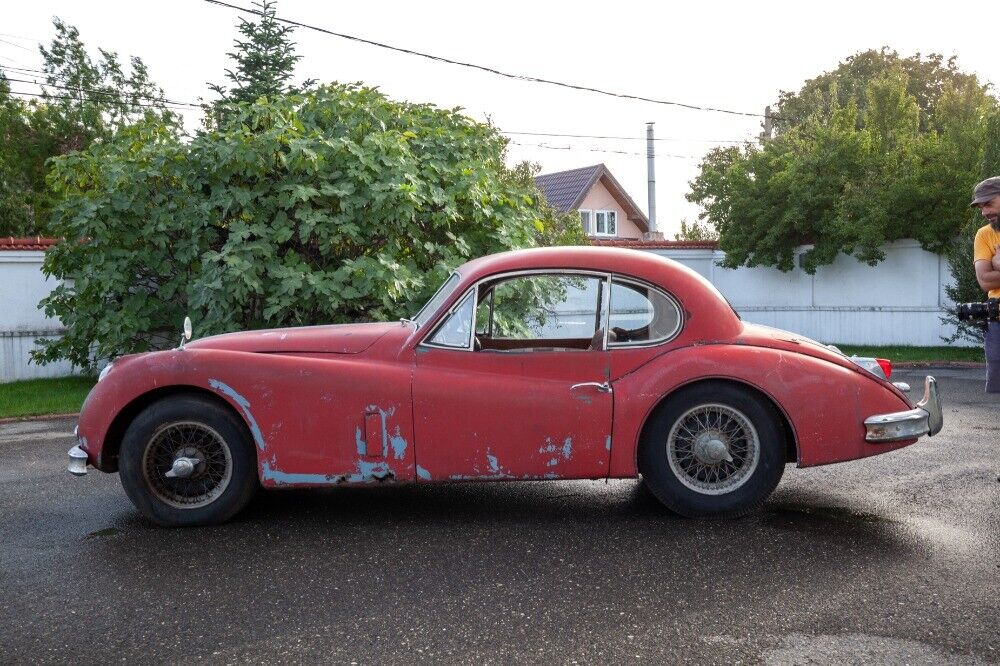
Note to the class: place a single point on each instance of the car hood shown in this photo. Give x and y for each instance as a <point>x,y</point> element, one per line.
<point>334,339</point>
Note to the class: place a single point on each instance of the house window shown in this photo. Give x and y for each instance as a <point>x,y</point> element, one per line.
<point>599,222</point>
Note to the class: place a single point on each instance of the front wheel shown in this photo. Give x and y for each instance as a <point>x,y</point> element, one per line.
<point>714,451</point>
<point>188,461</point>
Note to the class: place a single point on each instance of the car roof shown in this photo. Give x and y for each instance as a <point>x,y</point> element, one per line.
<point>637,263</point>
<point>707,312</point>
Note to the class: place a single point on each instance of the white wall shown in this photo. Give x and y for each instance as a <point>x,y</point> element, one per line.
<point>22,286</point>
<point>898,301</point>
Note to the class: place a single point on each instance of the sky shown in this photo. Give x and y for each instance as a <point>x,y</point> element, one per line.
<point>731,55</point>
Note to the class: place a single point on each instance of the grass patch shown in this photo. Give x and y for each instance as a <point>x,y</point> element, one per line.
<point>917,354</point>
<point>34,397</point>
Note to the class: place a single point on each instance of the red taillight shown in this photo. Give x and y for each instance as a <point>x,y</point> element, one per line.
<point>886,366</point>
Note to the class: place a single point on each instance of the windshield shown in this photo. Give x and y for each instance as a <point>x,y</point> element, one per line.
<point>440,297</point>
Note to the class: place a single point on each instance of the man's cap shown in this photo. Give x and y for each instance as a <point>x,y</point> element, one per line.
<point>986,191</point>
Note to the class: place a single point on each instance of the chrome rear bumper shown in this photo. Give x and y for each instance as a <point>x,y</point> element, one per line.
<point>924,419</point>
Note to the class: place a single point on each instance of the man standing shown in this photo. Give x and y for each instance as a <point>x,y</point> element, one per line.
<point>986,254</point>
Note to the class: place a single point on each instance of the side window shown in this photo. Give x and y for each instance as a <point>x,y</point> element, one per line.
<point>641,314</point>
<point>456,329</point>
<point>540,311</point>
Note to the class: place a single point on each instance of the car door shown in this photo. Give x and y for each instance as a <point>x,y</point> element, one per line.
<point>514,382</point>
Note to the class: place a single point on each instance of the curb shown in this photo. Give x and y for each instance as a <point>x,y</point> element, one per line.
<point>38,417</point>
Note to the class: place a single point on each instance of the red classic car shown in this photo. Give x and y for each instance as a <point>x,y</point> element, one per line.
<point>558,363</point>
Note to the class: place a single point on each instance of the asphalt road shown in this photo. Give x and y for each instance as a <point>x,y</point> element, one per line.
<point>894,559</point>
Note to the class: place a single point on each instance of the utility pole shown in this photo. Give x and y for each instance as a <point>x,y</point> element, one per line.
<point>651,173</point>
<point>768,127</point>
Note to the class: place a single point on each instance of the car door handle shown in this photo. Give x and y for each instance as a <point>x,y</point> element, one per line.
<point>603,388</point>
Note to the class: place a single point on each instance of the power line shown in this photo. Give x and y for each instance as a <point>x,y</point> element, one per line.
<point>621,138</point>
<point>21,37</point>
<point>78,99</point>
<point>10,59</point>
<point>17,46</point>
<point>491,70</point>
<point>105,93</point>
<point>602,150</point>
<point>24,69</point>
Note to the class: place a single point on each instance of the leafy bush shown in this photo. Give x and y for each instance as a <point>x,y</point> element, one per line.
<point>331,206</point>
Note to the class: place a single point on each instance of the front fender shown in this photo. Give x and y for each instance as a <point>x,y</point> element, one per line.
<point>825,404</point>
<point>315,419</point>
<point>134,382</point>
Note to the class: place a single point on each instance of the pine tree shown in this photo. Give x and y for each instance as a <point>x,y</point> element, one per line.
<point>264,61</point>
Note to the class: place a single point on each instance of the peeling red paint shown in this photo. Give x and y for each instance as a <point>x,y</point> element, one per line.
<point>366,402</point>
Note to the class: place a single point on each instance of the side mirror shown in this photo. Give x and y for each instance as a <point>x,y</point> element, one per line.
<point>186,334</point>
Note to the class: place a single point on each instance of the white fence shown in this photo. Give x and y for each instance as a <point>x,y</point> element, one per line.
<point>22,286</point>
<point>899,301</point>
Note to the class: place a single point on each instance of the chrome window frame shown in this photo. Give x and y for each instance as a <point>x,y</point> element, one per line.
<point>444,319</point>
<point>681,320</point>
<point>416,317</point>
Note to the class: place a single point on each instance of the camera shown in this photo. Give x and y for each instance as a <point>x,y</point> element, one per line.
<point>988,311</point>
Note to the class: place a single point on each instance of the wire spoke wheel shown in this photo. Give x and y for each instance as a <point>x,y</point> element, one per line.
<point>713,448</point>
<point>193,441</point>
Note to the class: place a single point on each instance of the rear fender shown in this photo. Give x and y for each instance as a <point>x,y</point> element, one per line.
<point>825,404</point>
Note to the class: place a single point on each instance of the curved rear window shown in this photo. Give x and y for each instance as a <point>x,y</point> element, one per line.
<point>641,314</point>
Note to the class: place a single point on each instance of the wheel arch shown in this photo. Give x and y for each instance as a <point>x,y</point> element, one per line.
<point>116,430</point>
<point>788,431</point>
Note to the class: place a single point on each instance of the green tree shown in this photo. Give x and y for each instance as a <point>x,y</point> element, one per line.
<point>927,78</point>
<point>965,288</point>
<point>849,176</point>
<point>16,212</point>
<point>82,101</point>
<point>696,231</point>
<point>336,205</point>
<point>264,60</point>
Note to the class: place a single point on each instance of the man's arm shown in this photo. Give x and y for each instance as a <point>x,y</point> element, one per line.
<point>987,275</point>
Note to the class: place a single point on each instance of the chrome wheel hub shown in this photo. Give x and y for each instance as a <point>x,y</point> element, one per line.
<point>713,449</point>
<point>710,448</point>
<point>184,467</point>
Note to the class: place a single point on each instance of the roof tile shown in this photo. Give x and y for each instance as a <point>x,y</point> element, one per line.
<point>565,188</point>
<point>9,243</point>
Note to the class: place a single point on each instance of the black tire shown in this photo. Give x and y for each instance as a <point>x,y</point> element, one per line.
<point>220,485</point>
<point>678,451</point>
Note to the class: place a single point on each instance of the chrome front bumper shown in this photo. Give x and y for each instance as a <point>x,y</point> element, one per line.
<point>77,457</point>
<point>77,461</point>
<point>924,419</point>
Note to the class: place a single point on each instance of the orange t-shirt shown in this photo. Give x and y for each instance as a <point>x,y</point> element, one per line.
<point>984,247</point>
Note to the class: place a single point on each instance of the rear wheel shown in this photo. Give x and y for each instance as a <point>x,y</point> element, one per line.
<point>714,450</point>
<point>188,461</point>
